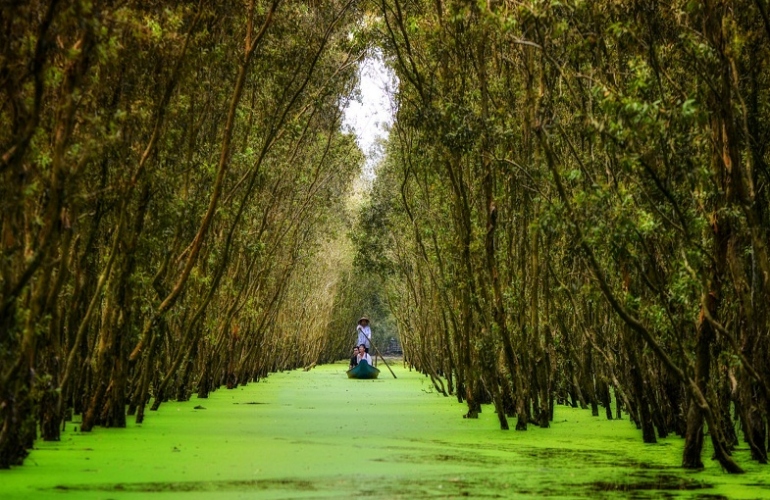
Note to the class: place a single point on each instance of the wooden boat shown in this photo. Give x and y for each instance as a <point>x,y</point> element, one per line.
<point>363,370</point>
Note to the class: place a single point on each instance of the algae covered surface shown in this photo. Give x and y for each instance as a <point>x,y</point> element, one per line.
<point>318,434</point>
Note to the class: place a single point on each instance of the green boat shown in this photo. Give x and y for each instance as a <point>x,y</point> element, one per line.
<point>363,370</point>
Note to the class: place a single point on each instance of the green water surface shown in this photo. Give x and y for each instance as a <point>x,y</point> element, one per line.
<point>317,434</point>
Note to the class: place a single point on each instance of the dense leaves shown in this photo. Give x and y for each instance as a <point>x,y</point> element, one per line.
<point>575,205</point>
<point>172,198</point>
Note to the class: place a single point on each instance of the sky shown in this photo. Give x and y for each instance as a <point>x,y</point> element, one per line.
<point>370,117</point>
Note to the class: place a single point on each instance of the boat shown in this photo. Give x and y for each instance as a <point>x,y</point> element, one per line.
<point>363,370</point>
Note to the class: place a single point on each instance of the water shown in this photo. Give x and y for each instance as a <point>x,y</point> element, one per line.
<point>318,434</point>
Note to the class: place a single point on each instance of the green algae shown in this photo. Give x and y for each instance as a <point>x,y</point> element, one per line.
<point>318,434</point>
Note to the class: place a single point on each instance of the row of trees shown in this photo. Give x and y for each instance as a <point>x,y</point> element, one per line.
<point>574,205</point>
<point>173,183</point>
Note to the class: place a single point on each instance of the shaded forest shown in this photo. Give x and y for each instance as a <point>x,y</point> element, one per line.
<point>572,208</point>
<point>174,201</point>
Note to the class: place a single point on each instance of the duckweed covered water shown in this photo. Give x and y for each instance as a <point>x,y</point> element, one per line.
<point>317,434</point>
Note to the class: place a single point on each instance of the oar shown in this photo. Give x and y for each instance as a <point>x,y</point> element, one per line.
<point>378,353</point>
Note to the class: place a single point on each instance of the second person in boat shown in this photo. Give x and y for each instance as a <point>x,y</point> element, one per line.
<point>363,355</point>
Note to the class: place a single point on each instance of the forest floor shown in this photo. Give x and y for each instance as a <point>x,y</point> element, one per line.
<point>317,434</point>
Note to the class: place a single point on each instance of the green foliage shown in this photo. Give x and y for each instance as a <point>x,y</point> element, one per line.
<point>574,174</point>
<point>137,216</point>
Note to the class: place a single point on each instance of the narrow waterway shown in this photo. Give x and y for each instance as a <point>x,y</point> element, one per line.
<point>317,434</point>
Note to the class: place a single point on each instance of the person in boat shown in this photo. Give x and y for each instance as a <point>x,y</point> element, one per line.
<point>363,355</point>
<point>364,333</point>
<point>354,359</point>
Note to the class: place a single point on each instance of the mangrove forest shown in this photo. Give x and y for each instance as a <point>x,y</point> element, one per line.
<point>569,211</point>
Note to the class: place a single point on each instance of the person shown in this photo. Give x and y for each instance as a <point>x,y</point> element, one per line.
<point>364,333</point>
<point>363,355</point>
<point>354,359</point>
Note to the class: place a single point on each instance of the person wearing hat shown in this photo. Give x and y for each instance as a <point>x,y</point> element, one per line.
<point>364,333</point>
